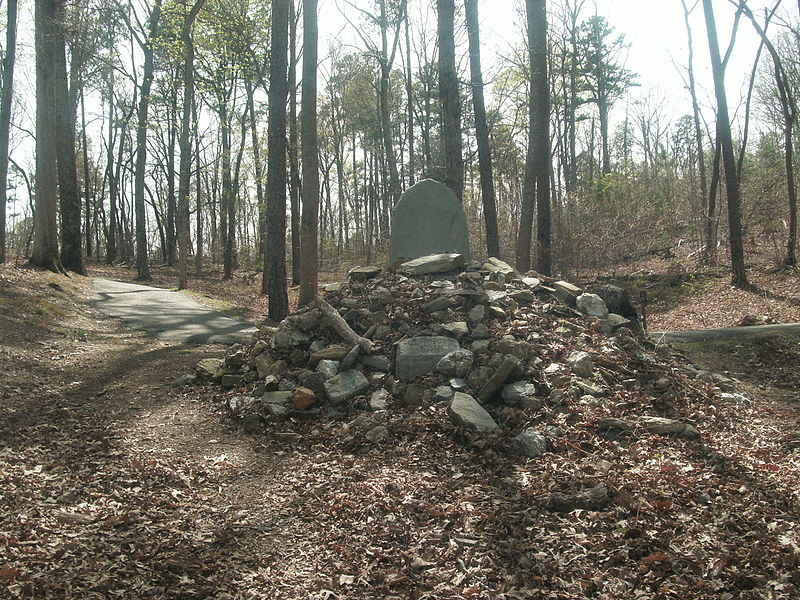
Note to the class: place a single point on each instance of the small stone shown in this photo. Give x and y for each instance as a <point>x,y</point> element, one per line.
<point>458,384</point>
<point>236,356</point>
<point>298,357</point>
<point>437,304</point>
<point>251,423</point>
<point>328,368</point>
<point>496,312</point>
<point>280,397</point>
<point>377,434</point>
<point>240,403</point>
<point>495,265</point>
<point>184,380</point>
<point>522,394</point>
<point>415,394</point>
<point>332,287</point>
<point>581,363</point>
<point>498,378</point>
<point>271,383</point>
<point>529,443</point>
<point>230,381</point>
<point>287,437</point>
<point>210,368</point>
<point>444,393</point>
<point>282,339</point>
<point>337,352</point>
<point>456,363</point>
<point>566,292</point>
<point>523,296</point>
<point>313,381</point>
<point>532,282</point>
<point>616,321</point>
<point>494,286</point>
<point>595,498</point>
<point>263,362</point>
<point>456,328</point>
<point>480,332</point>
<point>376,362</point>
<point>477,313</point>
<point>592,304</point>
<point>465,411</point>
<point>587,387</point>
<point>664,426</point>
<point>379,399</point>
<point>478,377</point>
<point>278,368</point>
<point>345,385</point>
<point>303,398</point>
<point>350,359</point>
<point>480,346</point>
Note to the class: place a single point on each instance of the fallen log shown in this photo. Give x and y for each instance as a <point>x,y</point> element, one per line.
<point>341,327</point>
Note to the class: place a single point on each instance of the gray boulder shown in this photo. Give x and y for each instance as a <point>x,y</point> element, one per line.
<point>428,219</point>
<point>522,394</point>
<point>592,304</point>
<point>345,385</point>
<point>465,411</point>
<point>566,292</point>
<point>419,355</point>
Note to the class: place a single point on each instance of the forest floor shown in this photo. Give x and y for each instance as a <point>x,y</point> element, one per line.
<point>119,484</point>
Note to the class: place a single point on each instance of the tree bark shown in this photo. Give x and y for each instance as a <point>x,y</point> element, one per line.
<point>45,241</point>
<point>482,130</point>
<point>309,261</point>
<point>274,281</point>
<point>184,144</point>
<point>451,104</point>
<point>295,186</point>
<point>142,261</point>
<point>739,277</point>
<point>68,192</point>
<point>6,95</point>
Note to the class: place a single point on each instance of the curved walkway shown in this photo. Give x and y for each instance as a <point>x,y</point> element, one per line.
<point>168,315</point>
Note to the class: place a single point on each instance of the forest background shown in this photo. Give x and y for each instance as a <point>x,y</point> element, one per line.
<point>632,152</point>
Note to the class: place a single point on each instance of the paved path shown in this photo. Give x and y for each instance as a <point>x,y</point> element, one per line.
<point>723,333</point>
<point>168,315</point>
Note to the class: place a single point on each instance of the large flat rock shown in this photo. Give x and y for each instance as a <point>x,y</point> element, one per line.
<point>419,355</point>
<point>428,219</point>
<point>465,411</point>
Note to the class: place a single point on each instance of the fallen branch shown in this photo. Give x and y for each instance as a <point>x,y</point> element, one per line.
<point>341,327</point>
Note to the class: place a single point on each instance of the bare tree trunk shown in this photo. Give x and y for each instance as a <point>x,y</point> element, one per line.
<point>68,193</point>
<point>541,131</point>
<point>184,144</point>
<point>258,171</point>
<point>142,261</point>
<point>451,104</point>
<point>482,131</point>
<point>45,241</point>
<point>87,185</point>
<point>409,101</point>
<point>295,187</point>
<point>6,95</point>
<point>739,277</point>
<point>198,253</point>
<point>111,234</point>
<point>309,260</point>
<point>274,281</point>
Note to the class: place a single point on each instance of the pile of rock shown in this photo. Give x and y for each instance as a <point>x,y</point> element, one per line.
<point>502,354</point>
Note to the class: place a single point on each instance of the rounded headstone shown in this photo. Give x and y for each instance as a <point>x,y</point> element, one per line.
<point>428,219</point>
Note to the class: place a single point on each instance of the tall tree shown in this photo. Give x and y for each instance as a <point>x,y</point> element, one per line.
<point>274,280</point>
<point>45,241</point>
<point>605,75</point>
<point>309,261</point>
<point>482,130</point>
<point>739,277</point>
<point>448,94</point>
<point>184,142</point>
<point>68,193</point>
<point>148,69</point>
<point>789,113</point>
<point>6,95</point>
<point>536,186</point>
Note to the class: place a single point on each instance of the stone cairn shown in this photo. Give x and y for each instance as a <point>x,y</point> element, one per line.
<point>504,352</point>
